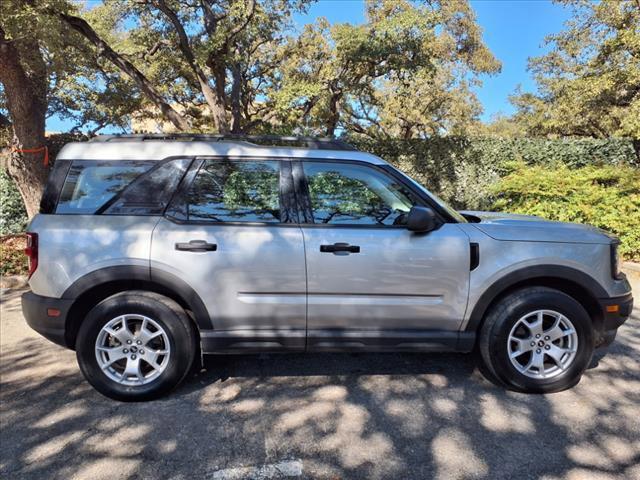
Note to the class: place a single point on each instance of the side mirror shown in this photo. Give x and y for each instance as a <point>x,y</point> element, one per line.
<point>421,219</point>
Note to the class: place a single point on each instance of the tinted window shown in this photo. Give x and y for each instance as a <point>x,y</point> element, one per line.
<point>343,193</point>
<point>90,184</point>
<point>235,191</point>
<point>150,193</point>
<point>54,186</point>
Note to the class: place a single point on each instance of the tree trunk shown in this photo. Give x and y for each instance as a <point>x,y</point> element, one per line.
<point>236,93</point>
<point>219,70</point>
<point>215,57</point>
<point>27,105</point>
<point>334,115</point>
<point>636,148</point>
<point>81,26</point>
<point>216,60</point>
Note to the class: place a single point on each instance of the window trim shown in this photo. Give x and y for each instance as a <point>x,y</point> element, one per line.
<point>304,197</point>
<point>288,207</point>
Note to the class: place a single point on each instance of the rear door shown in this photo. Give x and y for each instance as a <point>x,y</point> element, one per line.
<point>229,234</point>
<point>371,282</point>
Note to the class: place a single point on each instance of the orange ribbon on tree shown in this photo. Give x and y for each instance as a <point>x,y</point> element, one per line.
<point>35,150</point>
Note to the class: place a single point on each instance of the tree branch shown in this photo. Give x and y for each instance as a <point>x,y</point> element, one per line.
<point>154,49</point>
<point>217,110</point>
<point>240,27</point>
<point>4,121</point>
<point>82,27</point>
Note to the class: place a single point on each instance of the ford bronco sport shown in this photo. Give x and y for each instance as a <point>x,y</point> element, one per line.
<point>151,250</point>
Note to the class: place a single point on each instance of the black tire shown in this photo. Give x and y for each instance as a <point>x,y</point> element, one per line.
<point>494,334</point>
<point>168,314</point>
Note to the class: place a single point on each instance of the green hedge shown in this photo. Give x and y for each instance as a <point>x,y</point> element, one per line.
<point>462,170</point>
<point>13,216</point>
<point>603,196</point>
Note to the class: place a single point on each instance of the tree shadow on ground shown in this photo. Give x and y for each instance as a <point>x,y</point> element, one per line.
<point>343,415</point>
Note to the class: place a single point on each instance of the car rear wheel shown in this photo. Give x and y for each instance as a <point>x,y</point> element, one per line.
<point>537,340</point>
<point>136,345</point>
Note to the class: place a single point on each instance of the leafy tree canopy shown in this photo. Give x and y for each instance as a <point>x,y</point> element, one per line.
<point>406,71</point>
<point>238,65</point>
<point>589,83</point>
<point>66,73</point>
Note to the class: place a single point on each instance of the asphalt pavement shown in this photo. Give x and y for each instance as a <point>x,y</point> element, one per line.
<point>325,416</point>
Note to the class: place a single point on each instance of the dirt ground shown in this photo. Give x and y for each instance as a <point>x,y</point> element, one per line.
<point>333,416</point>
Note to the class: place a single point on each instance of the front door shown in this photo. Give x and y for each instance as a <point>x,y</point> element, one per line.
<point>373,284</point>
<point>227,235</point>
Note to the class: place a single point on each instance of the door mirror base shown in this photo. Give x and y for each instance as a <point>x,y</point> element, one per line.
<point>422,220</point>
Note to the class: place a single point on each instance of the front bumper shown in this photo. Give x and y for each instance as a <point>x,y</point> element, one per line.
<point>615,311</point>
<point>47,316</point>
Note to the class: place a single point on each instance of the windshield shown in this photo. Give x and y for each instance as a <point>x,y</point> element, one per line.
<point>445,206</point>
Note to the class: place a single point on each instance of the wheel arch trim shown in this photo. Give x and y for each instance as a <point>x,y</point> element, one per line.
<point>539,274</point>
<point>124,277</point>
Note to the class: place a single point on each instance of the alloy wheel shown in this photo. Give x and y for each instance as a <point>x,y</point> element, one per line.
<point>542,344</point>
<point>132,349</point>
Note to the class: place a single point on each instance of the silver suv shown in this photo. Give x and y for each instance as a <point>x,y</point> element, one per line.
<point>150,250</point>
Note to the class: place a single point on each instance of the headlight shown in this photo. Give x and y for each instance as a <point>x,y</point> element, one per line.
<point>615,260</point>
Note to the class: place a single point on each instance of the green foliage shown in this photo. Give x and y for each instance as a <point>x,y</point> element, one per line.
<point>405,72</point>
<point>607,197</point>
<point>13,216</point>
<point>408,70</point>
<point>257,188</point>
<point>342,195</point>
<point>589,81</point>
<point>221,61</point>
<point>462,170</point>
<point>78,87</point>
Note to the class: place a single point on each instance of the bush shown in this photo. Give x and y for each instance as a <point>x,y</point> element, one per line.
<point>13,216</point>
<point>462,170</point>
<point>13,261</point>
<point>607,197</point>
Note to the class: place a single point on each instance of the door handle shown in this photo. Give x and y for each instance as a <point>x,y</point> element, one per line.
<point>197,246</point>
<point>340,247</point>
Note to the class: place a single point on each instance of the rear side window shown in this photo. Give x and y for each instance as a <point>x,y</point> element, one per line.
<point>150,193</point>
<point>235,191</point>
<point>91,184</point>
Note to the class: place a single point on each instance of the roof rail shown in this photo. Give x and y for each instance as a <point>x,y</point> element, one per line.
<point>319,143</point>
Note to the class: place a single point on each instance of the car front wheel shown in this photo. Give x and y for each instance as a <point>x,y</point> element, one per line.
<point>537,339</point>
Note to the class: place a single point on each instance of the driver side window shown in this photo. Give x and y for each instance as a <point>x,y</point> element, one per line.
<point>351,194</point>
